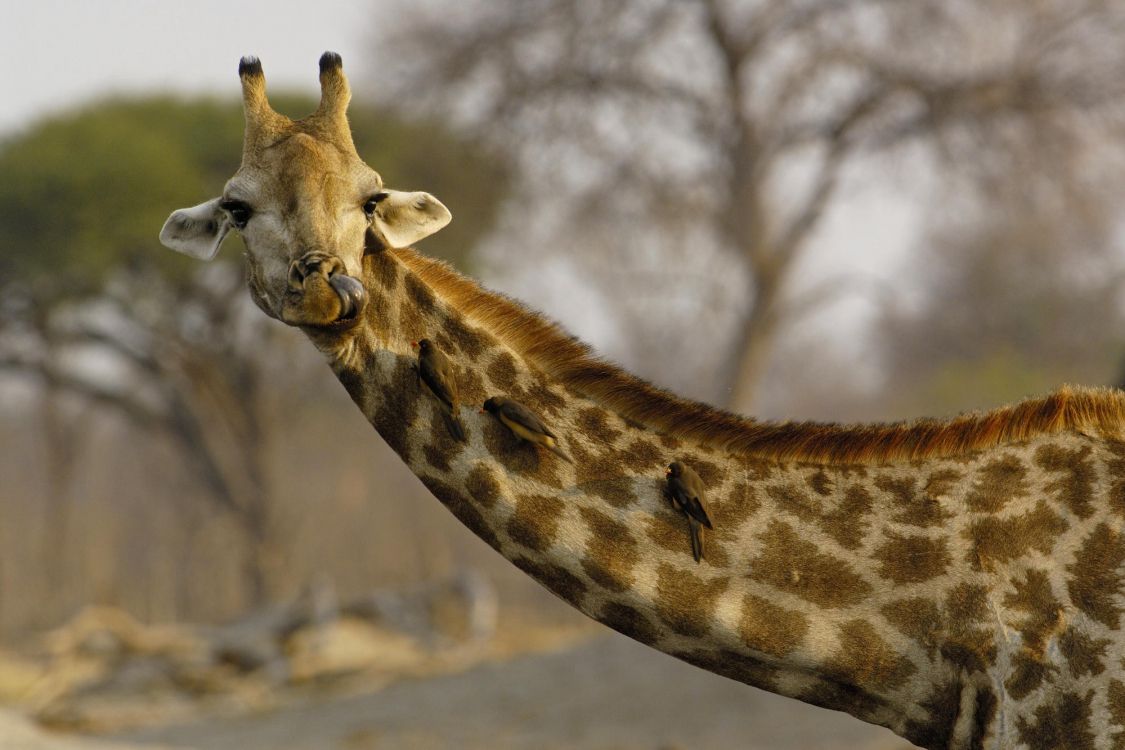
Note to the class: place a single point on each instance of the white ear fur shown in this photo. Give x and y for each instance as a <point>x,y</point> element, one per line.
<point>197,231</point>
<point>405,218</point>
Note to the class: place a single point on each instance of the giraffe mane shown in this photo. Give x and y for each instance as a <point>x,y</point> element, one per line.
<point>547,346</point>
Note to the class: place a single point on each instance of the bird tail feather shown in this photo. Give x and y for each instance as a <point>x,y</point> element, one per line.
<point>696,540</point>
<point>456,429</point>
<point>560,453</point>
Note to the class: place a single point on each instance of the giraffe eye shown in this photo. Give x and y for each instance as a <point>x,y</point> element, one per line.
<point>238,211</point>
<point>372,203</point>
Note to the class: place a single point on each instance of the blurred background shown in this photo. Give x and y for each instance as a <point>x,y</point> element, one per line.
<point>819,209</point>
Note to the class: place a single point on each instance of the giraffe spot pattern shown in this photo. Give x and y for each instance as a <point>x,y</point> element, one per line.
<point>384,270</point>
<point>1027,675</point>
<point>845,523</point>
<point>997,483</point>
<point>1115,467</point>
<point>1075,487</point>
<point>913,507</point>
<point>1033,596</point>
<point>393,417</point>
<point>1062,723</point>
<point>984,712</point>
<point>378,306</point>
<point>909,558</point>
<point>611,552</point>
<point>604,472</point>
<point>844,696</point>
<point>917,618</point>
<point>685,602</point>
<point>709,472</point>
<point>795,565</point>
<point>617,491</point>
<point>1084,654</point>
<point>732,664</point>
<point>1094,578</point>
<point>501,372</point>
<point>729,509</point>
<point>412,324</point>
<point>864,658</point>
<point>442,448</point>
<point>353,381</point>
<point>941,483</point>
<point>471,387</point>
<point>483,486</point>
<point>967,633</point>
<point>469,341</point>
<point>557,579</point>
<point>820,483</point>
<point>535,521</point>
<point>462,508</point>
<point>1116,695</point>
<point>943,706</point>
<point>543,399</point>
<point>999,540</point>
<point>629,621</point>
<point>592,422</point>
<point>770,628</point>
<point>643,456</point>
<point>420,295</point>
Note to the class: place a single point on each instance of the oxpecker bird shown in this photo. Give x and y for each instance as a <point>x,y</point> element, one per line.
<point>524,424</point>
<point>686,490</point>
<point>435,370</point>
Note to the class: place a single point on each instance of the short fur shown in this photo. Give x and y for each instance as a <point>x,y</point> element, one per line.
<point>545,344</point>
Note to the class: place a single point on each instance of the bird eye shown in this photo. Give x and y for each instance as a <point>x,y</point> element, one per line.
<point>238,211</point>
<point>372,202</point>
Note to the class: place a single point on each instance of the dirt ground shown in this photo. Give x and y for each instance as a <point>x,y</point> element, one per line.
<point>607,692</point>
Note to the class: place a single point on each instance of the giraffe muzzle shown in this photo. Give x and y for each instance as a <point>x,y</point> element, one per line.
<point>321,293</point>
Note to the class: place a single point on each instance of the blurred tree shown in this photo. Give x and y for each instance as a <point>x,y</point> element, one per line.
<point>689,151</point>
<point>84,191</point>
<point>1018,297</point>
<point>91,305</point>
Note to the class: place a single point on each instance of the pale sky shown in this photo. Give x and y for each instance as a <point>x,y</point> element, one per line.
<point>58,53</point>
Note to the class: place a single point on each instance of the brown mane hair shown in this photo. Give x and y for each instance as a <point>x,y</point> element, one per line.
<point>547,346</point>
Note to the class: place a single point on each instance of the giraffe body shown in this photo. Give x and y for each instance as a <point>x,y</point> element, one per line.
<point>963,600</point>
<point>958,582</point>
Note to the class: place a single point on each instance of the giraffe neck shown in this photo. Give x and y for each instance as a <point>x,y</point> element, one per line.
<point>858,588</point>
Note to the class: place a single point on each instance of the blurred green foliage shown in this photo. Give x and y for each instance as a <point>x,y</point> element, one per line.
<point>87,191</point>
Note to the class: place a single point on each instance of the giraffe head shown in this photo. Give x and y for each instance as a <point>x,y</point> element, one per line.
<point>306,205</point>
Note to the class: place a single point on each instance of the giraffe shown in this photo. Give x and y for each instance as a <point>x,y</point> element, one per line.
<point>957,581</point>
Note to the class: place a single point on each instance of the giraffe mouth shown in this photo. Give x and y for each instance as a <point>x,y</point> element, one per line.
<point>353,297</point>
<point>320,294</point>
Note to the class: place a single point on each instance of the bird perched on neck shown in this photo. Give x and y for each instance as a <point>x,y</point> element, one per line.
<point>686,490</point>
<point>524,424</point>
<point>436,371</point>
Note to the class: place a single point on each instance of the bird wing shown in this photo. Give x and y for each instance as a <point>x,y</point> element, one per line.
<point>439,385</point>
<point>524,417</point>
<point>689,499</point>
<point>697,510</point>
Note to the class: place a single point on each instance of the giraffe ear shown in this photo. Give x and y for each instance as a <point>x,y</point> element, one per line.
<point>197,231</point>
<point>401,219</point>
